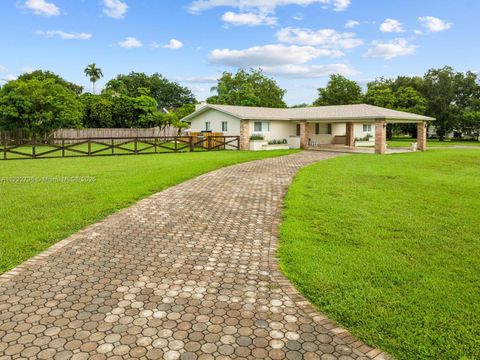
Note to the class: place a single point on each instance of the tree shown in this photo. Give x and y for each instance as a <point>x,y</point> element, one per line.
<point>408,99</point>
<point>248,88</point>
<point>39,106</point>
<point>296,106</point>
<point>339,91</point>
<point>94,73</point>
<point>448,94</point>
<point>168,94</point>
<point>184,111</point>
<point>471,123</point>
<point>380,95</point>
<point>98,111</point>
<point>48,75</point>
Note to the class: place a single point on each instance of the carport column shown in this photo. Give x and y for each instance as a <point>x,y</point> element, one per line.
<point>244,135</point>
<point>350,135</point>
<point>422,136</point>
<point>303,135</point>
<point>380,136</point>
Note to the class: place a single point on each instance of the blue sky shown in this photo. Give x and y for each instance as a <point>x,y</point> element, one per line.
<point>298,42</point>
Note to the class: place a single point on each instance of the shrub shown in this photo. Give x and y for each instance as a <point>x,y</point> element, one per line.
<point>257,137</point>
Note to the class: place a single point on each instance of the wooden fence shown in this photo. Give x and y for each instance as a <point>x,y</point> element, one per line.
<point>108,146</point>
<point>115,133</point>
<point>21,135</point>
<point>214,141</point>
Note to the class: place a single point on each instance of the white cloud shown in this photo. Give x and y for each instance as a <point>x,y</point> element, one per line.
<point>309,71</point>
<point>8,78</point>
<point>298,17</point>
<point>64,35</point>
<point>323,37</point>
<point>2,68</point>
<point>173,44</point>
<point>27,69</point>
<point>391,26</point>
<point>350,24</point>
<point>130,43</point>
<point>200,79</point>
<point>433,24</point>
<point>391,49</point>
<point>115,8</point>
<point>269,55</point>
<point>248,19</point>
<point>263,5</point>
<point>42,7</point>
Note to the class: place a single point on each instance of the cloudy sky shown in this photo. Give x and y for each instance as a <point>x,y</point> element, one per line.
<point>299,42</point>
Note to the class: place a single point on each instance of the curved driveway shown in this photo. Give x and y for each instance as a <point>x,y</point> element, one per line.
<point>187,273</point>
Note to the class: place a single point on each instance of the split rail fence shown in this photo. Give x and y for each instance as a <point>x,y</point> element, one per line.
<point>111,146</point>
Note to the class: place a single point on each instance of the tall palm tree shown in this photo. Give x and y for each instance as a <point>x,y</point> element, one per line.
<point>94,73</point>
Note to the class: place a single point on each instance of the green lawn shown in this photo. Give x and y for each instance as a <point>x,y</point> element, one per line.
<point>406,142</point>
<point>389,247</point>
<point>36,214</point>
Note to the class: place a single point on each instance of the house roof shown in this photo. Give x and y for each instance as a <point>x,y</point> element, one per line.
<point>330,113</point>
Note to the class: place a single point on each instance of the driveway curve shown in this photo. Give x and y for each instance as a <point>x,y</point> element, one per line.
<point>188,273</point>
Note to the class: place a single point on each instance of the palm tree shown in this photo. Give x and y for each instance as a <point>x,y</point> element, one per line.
<point>94,73</point>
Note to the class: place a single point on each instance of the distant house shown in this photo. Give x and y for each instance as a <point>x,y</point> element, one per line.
<point>303,127</point>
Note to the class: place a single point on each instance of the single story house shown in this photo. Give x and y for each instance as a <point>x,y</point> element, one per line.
<point>304,127</point>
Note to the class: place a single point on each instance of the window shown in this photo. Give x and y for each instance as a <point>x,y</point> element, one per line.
<point>224,126</point>
<point>367,127</point>
<point>263,126</point>
<point>323,129</point>
<point>298,129</point>
<point>208,126</point>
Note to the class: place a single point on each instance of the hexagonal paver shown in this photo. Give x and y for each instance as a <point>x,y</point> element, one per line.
<point>188,273</point>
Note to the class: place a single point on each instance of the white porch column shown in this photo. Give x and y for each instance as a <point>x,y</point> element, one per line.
<point>380,136</point>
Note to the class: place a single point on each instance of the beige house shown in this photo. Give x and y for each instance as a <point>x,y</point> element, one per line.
<point>345,125</point>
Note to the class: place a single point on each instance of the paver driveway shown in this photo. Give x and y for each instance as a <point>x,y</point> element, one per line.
<point>188,273</point>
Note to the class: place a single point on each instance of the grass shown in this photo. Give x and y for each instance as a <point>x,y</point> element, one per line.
<point>36,214</point>
<point>407,141</point>
<point>389,247</point>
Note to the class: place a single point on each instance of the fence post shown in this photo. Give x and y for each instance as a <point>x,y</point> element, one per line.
<point>89,147</point>
<point>63,147</point>
<point>155,141</point>
<point>190,139</point>
<point>176,143</point>
<point>209,143</point>
<point>34,149</point>
<point>135,146</point>
<point>4,148</point>
<point>113,147</point>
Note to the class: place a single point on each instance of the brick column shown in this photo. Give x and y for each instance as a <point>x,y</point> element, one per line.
<point>304,135</point>
<point>244,135</point>
<point>350,135</point>
<point>422,136</point>
<point>380,136</point>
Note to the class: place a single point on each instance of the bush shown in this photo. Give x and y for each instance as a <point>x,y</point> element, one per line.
<point>257,137</point>
<point>39,106</point>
